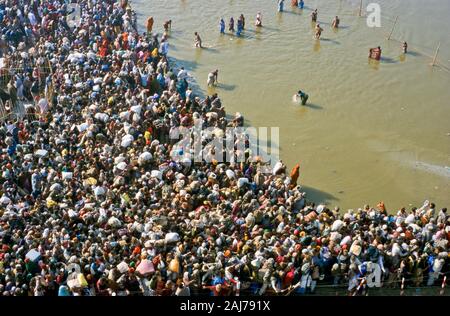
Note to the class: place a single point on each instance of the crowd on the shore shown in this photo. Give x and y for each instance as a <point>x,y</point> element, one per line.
<point>91,202</point>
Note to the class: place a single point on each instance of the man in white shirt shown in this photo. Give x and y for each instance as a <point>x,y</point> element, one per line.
<point>182,74</point>
<point>164,47</point>
<point>32,18</point>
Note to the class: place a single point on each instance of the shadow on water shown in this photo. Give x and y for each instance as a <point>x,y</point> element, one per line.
<point>316,46</point>
<point>374,64</point>
<point>313,106</point>
<point>210,49</point>
<point>243,36</point>
<point>293,12</point>
<point>318,196</point>
<point>412,53</point>
<point>226,87</point>
<point>187,64</point>
<point>330,40</point>
<point>197,91</point>
<point>388,60</point>
<point>342,27</point>
<point>264,27</point>
<point>175,32</point>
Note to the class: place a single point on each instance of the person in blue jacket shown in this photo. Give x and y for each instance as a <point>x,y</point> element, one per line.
<point>280,5</point>
<point>239,27</point>
<point>301,4</point>
<point>222,26</point>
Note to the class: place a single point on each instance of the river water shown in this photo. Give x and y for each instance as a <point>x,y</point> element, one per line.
<point>371,132</point>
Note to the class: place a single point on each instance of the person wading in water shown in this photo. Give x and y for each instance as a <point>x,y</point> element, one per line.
<point>197,40</point>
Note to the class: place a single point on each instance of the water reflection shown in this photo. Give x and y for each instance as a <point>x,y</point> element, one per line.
<point>279,17</point>
<point>318,196</point>
<point>374,64</point>
<point>317,46</point>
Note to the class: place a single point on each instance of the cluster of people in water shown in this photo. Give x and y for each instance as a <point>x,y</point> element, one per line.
<point>374,53</point>
<point>295,3</point>
<point>233,28</point>
<point>92,202</point>
<point>258,22</point>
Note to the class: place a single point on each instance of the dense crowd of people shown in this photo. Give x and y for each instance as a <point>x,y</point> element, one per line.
<point>92,202</point>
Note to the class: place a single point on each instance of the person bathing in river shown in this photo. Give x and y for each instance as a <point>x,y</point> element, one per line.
<point>318,31</point>
<point>222,26</point>
<point>258,21</point>
<point>405,47</point>
<point>280,5</point>
<point>375,53</point>
<point>231,25</point>
<point>213,78</point>
<point>242,19</point>
<point>198,40</point>
<point>150,22</point>
<point>239,27</point>
<point>301,4</point>
<point>294,3</point>
<point>314,16</point>
<point>303,96</point>
<point>167,25</point>
<point>335,23</point>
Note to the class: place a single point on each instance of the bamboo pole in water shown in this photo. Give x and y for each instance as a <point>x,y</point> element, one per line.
<point>443,285</point>
<point>393,27</point>
<point>436,54</point>
<point>360,7</point>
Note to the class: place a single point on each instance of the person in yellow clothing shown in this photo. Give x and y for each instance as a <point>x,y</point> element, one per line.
<point>111,101</point>
<point>155,52</point>
<point>148,137</point>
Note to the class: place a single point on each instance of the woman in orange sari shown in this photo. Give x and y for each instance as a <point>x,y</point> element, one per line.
<point>150,22</point>
<point>295,174</point>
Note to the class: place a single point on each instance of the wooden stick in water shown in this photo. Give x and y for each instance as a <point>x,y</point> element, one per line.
<point>392,31</point>
<point>360,7</point>
<point>443,286</point>
<point>436,54</point>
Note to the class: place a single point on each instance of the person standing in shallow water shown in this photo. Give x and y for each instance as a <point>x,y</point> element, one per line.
<point>167,25</point>
<point>375,53</point>
<point>335,23</point>
<point>405,47</point>
<point>303,96</point>
<point>197,40</point>
<point>258,21</point>
<point>318,31</point>
<point>242,19</point>
<point>239,27</point>
<point>213,78</point>
<point>231,25</point>
<point>222,26</point>
<point>150,22</point>
<point>314,16</point>
<point>301,4</point>
<point>280,5</point>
